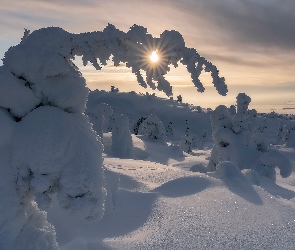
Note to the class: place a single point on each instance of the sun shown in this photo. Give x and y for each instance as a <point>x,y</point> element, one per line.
<point>154,56</point>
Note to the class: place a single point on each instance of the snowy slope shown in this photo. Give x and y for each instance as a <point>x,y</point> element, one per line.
<point>160,206</point>
<point>137,106</point>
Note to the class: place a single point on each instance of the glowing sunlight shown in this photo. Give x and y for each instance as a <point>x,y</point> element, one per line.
<point>154,57</point>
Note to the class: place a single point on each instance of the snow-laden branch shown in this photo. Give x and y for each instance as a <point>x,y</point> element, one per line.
<point>46,54</point>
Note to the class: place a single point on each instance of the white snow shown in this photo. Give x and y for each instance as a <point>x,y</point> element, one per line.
<point>153,201</point>
<point>156,202</point>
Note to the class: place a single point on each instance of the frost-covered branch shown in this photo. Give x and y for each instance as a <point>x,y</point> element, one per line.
<point>48,52</point>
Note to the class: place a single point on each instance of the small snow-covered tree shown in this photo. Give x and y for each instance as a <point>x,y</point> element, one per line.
<point>203,138</point>
<point>289,132</point>
<point>152,128</point>
<point>100,113</point>
<point>138,123</point>
<point>243,102</point>
<point>122,145</point>
<point>179,99</point>
<point>187,127</point>
<point>111,122</point>
<point>114,89</point>
<point>169,129</point>
<point>186,143</point>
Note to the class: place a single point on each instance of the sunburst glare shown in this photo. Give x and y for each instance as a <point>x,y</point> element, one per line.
<point>154,56</point>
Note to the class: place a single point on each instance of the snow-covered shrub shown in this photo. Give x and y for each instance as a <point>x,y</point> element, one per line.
<point>289,132</point>
<point>179,99</point>
<point>252,117</point>
<point>100,113</point>
<point>137,124</point>
<point>111,122</point>
<point>187,127</point>
<point>220,118</point>
<point>114,89</point>
<point>282,134</point>
<point>234,142</point>
<point>152,128</point>
<point>186,143</point>
<point>149,96</point>
<point>169,129</point>
<point>243,102</point>
<point>122,145</point>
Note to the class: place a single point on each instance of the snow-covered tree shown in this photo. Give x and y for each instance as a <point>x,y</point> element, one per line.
<point>234,142</point>
<point>138,123</point>
<point>179,99</point>
<point>52,148</point>
<point>187,127</point>
<point>169,129</point>
<point>114,89</point>
<point>289,132</point>
<point>243,102</point>
<point>203,138</point>
<point>152,128</point>
<point>122,145</point>
<point>186,143</point>
<point>100,113</point>
<point>111,122</point>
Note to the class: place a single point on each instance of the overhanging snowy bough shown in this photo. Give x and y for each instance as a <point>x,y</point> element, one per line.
<point>41,64</point>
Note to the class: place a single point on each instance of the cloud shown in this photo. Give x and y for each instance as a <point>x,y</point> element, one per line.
<point>226,24</point>
<point>264,23</point>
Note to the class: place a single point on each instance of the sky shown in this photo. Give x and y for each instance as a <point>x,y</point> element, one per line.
<point>251,42</point>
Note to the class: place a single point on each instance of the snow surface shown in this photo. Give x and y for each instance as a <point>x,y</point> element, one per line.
<point>160,206</point>
<point>154,201</point>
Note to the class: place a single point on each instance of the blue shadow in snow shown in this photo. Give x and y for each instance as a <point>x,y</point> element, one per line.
<point>274,189</point>
<point>183,186</point>
<point>243,188</point>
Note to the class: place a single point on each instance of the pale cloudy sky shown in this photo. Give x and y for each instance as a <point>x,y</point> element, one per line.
<point>251,42</point>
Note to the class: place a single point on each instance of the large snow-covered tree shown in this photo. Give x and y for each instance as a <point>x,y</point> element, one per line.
<point>47,143</point>
<point>152,128</point>
<point>235,142</point>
